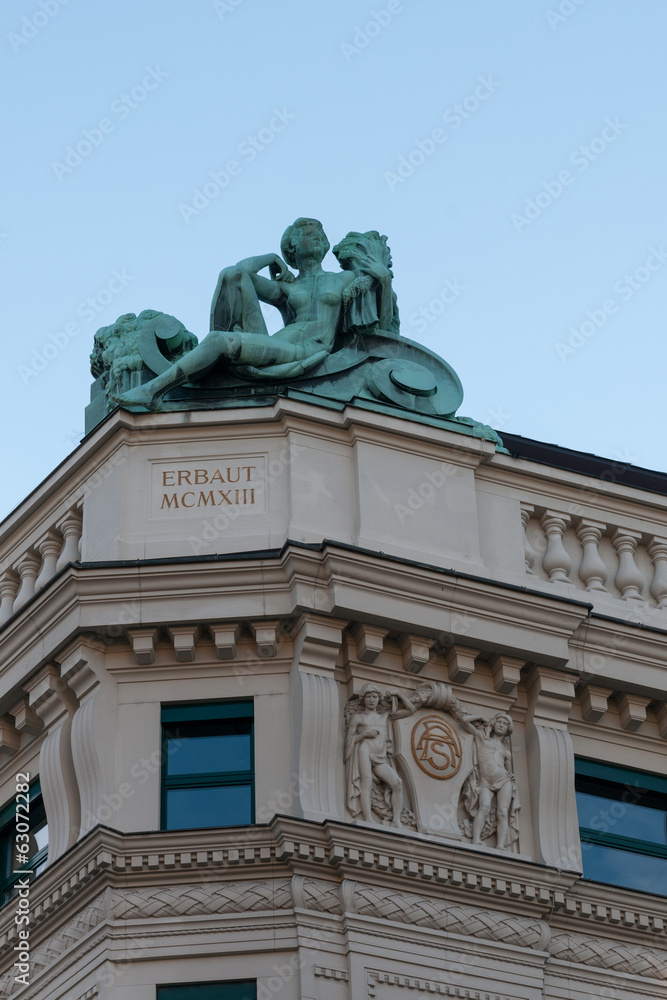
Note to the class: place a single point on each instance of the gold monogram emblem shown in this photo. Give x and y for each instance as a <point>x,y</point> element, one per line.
<point>436,747</point>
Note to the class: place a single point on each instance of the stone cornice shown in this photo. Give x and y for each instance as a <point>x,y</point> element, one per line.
<point>332,854</point>
<point>545,486</point>
<point>328,579</point>
<point>341,582</point>
<point>332,580</point>
<point>624,656</point>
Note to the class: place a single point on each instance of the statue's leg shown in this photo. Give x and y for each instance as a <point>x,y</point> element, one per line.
<point>387,774</point>
<point>366,783</point>
<point>503,801</point>
<point>196,363</point>
<point>485,800</point>
<point>235,304</point>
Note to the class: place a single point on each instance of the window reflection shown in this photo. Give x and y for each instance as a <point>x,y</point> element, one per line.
<point>623,826</point>
<point>35,858</point>
<point>208,773</point>
<point>625,868</point>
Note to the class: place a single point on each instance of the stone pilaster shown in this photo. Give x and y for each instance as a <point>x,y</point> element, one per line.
<point>551,768</point>
<point>55,703</point>
<point>315,716</point>
<point>93,727</point>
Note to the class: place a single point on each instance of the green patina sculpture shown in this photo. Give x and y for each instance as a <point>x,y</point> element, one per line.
<point>310,303</point>
<point>340,341</point>
<point>117,349</point>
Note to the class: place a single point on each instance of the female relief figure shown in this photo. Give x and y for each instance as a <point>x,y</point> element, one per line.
<point>311,305</point>
<point>491,778</point>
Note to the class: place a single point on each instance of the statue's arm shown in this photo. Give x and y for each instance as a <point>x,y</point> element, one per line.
<point>268,290</point>
<point>366,264</point>
<point>468,720</point>
<point>408,707</point>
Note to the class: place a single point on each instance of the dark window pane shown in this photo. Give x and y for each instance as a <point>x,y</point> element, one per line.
<point>208,755</point>
<point>190,808</point>
<point>627,819</point>
<point>38,837</point>
<point>625,868</point>
<point>209,991</point>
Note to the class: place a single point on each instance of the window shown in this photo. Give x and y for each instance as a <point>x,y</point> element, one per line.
<point>208,770</point>
<point>38,841</point>
<point>246,990</point>
<point>623,826</point>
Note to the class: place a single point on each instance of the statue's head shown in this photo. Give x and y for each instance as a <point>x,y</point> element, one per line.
<point>370,693</point>
<point>422,695</point>
<point>289,244</point>
<point>502,724</point>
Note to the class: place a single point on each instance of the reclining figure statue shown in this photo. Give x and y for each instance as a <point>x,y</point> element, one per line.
<point>316,306</point>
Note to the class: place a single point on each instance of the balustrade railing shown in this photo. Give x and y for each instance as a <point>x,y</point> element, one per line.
<point>595,556</point>
<point>58,546</point>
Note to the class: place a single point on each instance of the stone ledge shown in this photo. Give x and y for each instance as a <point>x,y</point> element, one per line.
<point>328,853</point>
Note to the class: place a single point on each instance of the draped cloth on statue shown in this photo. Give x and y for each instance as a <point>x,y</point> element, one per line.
<point>235,305</point>
<point>237,308</point>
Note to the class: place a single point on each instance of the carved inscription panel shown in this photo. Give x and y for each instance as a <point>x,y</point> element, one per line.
<point>208,486</point>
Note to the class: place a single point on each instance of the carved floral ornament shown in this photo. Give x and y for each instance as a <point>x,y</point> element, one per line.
<point>428,763</point>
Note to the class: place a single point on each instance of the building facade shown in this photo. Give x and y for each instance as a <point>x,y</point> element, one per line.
<point>321,703</point>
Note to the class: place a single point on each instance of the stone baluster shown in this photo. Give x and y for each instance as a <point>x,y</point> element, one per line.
<point>70,527</point>
<point>658,553</point>
<point>556,561</point>
<point>527,512</point>
<point>628,578</point>
<point>9,585</point>
<point>48,547</point>
<point>592,571</point>
<point>27,568</point>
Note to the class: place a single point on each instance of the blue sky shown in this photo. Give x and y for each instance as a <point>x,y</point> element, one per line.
<point>512,152</point>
